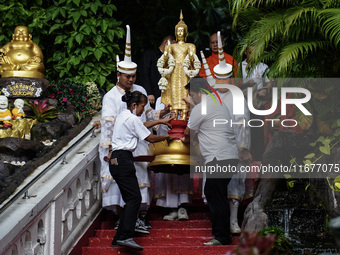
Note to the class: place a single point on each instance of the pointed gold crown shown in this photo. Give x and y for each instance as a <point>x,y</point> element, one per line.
<point>181,23</point>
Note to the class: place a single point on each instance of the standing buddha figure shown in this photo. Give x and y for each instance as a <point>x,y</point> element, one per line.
<point>183,64</point>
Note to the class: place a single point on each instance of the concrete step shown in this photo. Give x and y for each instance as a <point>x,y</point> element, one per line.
<point>163,250</point>
<point>159,241</point>
<point>165,232</point>
<point>160,224</point>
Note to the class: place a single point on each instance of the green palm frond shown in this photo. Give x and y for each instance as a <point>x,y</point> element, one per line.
<point>293,51</point>
<point>263,32</point>
<point>297,20</point>
<point>330,24</point>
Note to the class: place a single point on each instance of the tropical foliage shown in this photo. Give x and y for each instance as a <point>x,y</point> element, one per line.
<point>83,100</point>
<point>297,38</point>
<point>84,33</point>
<point>78,38</point>
<point>42,112</point>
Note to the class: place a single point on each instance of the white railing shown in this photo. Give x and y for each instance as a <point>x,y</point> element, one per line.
<point>62,205</point>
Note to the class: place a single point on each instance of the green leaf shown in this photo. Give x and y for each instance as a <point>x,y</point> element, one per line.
<point>54,27</point>
<point>76,16</point>
<point>336,123</point>
<point>104,25</point>
<point>337,132</point>
<point>79,38</point>
<point>76,2</point>
<point>76,61</point>
<point>94,8</point>
<point>292,161</point>
<point>98,53</point>
<point>97,39</point>
<point>325,149</point>
<point>311,155</point>
<point>63,12</point>
<point>312,144</point>
<point>110,34</point>
<point>87,69</point>
<point>55,13</point>
<point>83,12</point>
<point>84,53</point>
<point>306,188</point>
<point>70,42</point>
<point>101,80</point>
<point>59,39</point>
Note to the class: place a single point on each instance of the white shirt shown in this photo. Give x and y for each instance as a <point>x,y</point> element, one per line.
<point>218,141</point>
<point>240,122</point>
<point>256,75</point>
<point>128,130</point>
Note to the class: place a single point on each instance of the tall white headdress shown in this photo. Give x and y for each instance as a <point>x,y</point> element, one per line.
<point>127,66</point>
<point>222,70</point>
<point>210,78</point>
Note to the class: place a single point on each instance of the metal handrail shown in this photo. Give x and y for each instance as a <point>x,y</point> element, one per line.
<point>24,190</point>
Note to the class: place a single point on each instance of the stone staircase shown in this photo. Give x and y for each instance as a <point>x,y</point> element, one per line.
<point>166,237</point>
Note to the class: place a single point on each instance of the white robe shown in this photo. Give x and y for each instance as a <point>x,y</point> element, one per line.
<point>112,106</point>
<point>171,190</point>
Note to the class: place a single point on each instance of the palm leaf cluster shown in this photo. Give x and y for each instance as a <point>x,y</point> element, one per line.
<point>295,38</point>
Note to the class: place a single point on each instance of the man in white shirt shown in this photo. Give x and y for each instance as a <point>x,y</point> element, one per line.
<point>112,106</point>
<point>218,147</point>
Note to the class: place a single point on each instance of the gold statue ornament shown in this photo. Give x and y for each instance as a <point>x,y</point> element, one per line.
<point>182,64</point>
<point>21,57</point>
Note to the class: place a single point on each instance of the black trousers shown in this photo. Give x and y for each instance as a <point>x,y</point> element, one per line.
<point>125,175</point>
<point>216,192</point>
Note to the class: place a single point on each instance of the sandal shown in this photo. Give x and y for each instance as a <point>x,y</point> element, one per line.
<point>212,242</point>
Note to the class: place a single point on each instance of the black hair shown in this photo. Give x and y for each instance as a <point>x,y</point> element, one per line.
<point>134,97</point>
<point>198,83</point>
<point>169,37</point>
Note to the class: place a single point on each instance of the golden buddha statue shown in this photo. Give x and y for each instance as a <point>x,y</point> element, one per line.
<point>21,57</point>
<point>184,64</point>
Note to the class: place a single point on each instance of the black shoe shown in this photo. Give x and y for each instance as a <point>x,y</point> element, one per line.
<point>114,243</point>
<point>130,243</point>
<point>140,227</point>
<point>146,222</point>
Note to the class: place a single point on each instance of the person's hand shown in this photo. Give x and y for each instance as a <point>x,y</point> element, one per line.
<point>188,100</point>
<point>170,138</point>
<point>173,114</point>
<point>97,124</point>
<point>166,121</point>
<point>184,140</point>
<point>262,92</point>
<point>245,156</point>
<point>151,99</point>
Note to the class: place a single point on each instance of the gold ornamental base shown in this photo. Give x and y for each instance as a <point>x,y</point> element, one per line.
<point>25,74</point>
<point>173,157</point>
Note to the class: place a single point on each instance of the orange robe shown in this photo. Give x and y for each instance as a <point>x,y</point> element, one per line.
<point>213,61</point>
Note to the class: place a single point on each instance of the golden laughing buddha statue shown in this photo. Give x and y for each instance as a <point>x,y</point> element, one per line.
<point>21,57</point>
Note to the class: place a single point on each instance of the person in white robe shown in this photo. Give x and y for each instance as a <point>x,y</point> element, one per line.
<point>172,190</point>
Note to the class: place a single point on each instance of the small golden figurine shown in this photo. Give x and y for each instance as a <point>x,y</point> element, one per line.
<point>183,64</point>
<point>22,57</point>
